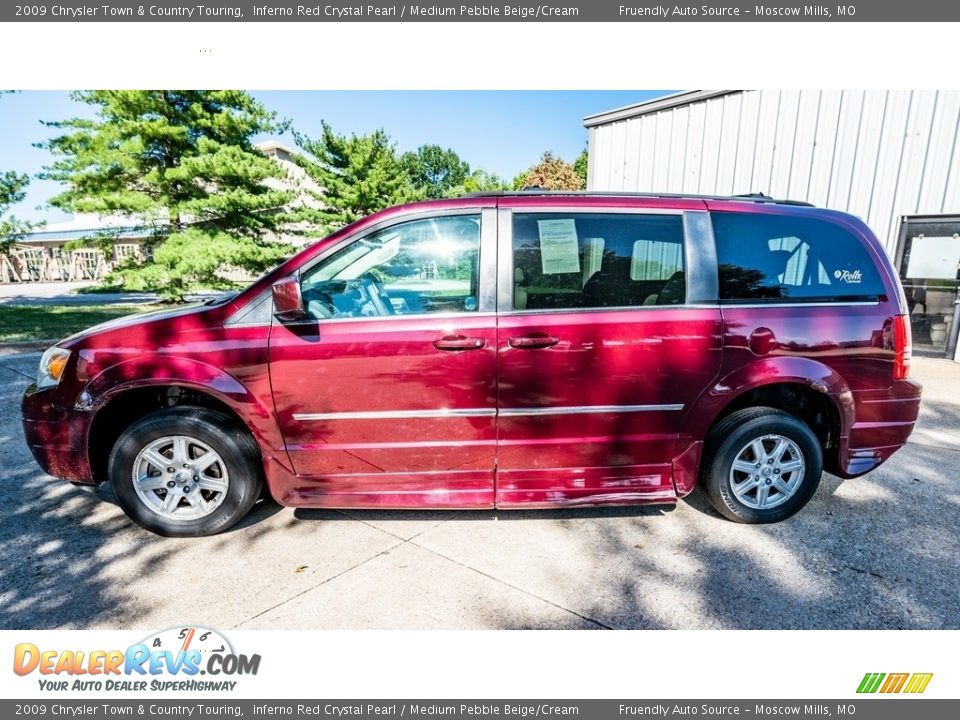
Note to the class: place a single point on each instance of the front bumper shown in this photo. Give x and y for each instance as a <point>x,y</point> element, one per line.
<point>56,436</point>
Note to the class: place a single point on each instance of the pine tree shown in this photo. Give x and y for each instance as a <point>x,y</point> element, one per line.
<point>357,174</point>
<point>183,163</point>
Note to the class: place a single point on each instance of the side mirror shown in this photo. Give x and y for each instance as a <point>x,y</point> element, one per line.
<point>287,301</point>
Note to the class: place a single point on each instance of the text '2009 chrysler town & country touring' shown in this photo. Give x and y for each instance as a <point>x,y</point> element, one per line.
<point>523,350</point>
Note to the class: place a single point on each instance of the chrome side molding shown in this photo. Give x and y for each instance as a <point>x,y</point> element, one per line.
<point>485,412</point>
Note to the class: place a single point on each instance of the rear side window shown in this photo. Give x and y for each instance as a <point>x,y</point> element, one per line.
<point>596,260</point>
<point>779,258</point>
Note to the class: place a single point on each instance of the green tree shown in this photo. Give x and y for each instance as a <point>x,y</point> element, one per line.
<point>482,181</point>
<point>580,166</point>
<point>183,162</point>
<point>435,172</point>
<point>357,175</point>
<point>13,189</point>
<point>551,173</point>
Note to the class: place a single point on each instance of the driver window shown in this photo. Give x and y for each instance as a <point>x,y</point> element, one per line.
<point>413,268</point>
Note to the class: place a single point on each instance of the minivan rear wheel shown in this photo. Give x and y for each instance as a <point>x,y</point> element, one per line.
<point>185,472</point>
<point>761,465</point>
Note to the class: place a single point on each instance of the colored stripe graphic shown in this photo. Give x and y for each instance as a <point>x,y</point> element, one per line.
<point>918,682</point>
<point>894,682</point>
<point>870,682</point>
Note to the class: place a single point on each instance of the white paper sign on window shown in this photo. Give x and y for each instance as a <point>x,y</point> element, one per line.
<point>559,250</point>
<point>934,258</point>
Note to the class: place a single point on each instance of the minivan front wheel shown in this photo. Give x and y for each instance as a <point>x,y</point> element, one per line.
<point>185,472</point>
<point>761,465</point>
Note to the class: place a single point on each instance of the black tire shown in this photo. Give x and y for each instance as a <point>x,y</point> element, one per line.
<point>731,436</point>
<point>235,447</point>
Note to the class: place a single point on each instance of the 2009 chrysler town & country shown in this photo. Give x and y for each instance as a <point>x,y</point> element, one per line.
<point>508,350</point>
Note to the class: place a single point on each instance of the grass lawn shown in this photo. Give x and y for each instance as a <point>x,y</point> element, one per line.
<point>23,323</point>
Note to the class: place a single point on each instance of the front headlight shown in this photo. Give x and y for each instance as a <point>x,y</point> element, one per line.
<point>52,365</point>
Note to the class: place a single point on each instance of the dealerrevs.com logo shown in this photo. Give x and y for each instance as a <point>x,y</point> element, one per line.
<point>168,660</point>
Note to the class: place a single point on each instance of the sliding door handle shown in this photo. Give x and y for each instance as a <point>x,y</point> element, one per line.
<point>458,342</point>
<point>533,342</point>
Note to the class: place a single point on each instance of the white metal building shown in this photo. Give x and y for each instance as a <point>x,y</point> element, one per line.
<point>890,157</point>
<point>879,154</point>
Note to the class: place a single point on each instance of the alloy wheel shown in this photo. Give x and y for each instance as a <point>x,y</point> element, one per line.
<point>180,478</point>
<point>767,472</point>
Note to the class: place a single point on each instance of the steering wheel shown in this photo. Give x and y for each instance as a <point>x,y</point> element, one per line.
<point>319,304</point>
<point>377,294</point>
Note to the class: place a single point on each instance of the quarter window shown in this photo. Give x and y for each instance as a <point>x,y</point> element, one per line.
<point>781,258</point>
<point>595,260</point>
<point>413,268</point>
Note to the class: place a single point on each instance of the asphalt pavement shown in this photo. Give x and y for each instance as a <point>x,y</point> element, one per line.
<point>881,551</point>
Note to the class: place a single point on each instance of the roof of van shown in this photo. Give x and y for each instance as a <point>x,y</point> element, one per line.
<point>536,192</point>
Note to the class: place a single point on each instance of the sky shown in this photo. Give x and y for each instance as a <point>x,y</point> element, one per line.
<point>500,131</point>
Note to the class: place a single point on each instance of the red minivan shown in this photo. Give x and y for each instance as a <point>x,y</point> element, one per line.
<point>514,350</point>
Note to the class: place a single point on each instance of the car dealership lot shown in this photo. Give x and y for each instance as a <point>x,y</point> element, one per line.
<point>880,551</point>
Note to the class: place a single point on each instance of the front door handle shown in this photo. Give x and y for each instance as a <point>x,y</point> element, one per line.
<point>533,342</point>
<point>458,342</point>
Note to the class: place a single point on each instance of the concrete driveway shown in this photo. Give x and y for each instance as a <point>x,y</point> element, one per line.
<point>877,552</point>
<point>68,293</point>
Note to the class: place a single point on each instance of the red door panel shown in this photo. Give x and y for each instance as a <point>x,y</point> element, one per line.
<point>389,412</point>
<point>596,416</point>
